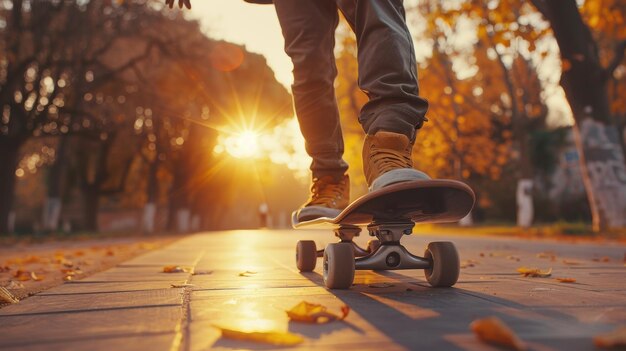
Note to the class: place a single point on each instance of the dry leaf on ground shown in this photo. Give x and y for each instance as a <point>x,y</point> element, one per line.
<point>202,272</point>
<point>315,313</point>
<point>468,263</point>
<point>183,285</point>
<point>12,284</point>
<point>492,330</point>
<point>6,296</point>
<point>566,280</point>
<point>613,339</point>
<point>247,274</point>
<point>22,275</point>
<point>176,269</point>
<point>267,337</point>
<point>36,277</point>
<point>380,285</point>
<point>71,272</point>
<point>601,259</point>
<point>534,272</point>
<point>548,254</point>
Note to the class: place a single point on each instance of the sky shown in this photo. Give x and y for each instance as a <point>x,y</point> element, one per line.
<point>254,26</point>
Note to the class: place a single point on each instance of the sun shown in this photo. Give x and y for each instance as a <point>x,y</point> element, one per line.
<point>244,144</point>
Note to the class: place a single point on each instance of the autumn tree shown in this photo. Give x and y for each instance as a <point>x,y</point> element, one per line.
<point>53,60</point>
<point>589,71</point>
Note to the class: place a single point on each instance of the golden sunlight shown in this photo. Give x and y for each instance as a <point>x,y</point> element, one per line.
<point>244,144</point>
<point>282,145</point>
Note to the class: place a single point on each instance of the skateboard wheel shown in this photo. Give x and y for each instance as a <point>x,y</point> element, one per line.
<point>339,265</point>
<point>373,245</point>
<point>306,255</point>
<point>445,265</point>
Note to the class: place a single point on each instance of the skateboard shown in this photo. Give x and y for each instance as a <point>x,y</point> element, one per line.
<point>389,214</point>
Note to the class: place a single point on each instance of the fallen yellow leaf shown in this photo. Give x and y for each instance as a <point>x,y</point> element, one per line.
<point>6,296</point>
<point>266,337</point>
<point>247,274</point>
<point>492,330</point>
<point>184,285</point>
<point>315,313</point>
<point>202,272</point>
<point>36,277</point>
<point>613,339</point>
<point>71,272</point>
<point>176,269</point>
<point>468,263</point>
<point>534,272</point>
<point>571,263</point>
<point>566,280</point>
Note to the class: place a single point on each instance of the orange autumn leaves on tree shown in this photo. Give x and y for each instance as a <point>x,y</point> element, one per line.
<point>607,20</point>
<point>450,139</point>
<point>458,141</point>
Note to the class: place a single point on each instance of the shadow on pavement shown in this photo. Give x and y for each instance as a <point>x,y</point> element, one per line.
<point>414,315</point>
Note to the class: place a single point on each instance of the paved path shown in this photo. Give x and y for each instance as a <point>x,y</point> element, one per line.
<point>134,307</point>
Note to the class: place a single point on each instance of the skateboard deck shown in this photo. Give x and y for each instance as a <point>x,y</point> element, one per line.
<point>419,201</point>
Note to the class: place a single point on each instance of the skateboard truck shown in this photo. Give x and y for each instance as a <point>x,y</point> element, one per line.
<point>391,254</point>
<point>346,234</point>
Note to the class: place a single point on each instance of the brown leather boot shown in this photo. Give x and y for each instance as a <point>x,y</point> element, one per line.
<point>387,160</point>
<point>328,197</point>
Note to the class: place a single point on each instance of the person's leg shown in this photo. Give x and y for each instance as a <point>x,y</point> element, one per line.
<point>387,67</point>
<point>308,27</point>
<point>388,75</point>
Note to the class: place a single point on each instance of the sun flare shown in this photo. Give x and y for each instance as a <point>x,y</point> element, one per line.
<point>281,145</point>
<point>244,144</point>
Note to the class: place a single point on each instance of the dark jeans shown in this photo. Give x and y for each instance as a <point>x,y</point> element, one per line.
<point>387,72</point>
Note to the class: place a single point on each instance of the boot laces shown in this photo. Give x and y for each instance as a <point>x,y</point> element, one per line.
<point>325,192</point>
<point>388,159</point>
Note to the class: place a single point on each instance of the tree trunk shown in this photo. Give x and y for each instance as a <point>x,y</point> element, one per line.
<point>53,203</point>
<point>149,212</point>
<point>585,83</point>
<point>9,157</point>
<point>525,182</point>
<point>604,173</point>
<point>183,220</point>
<point>178,210</point>
<point>91,197</point>
<point>149,217</point>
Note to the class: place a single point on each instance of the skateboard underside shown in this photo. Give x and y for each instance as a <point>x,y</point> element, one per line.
<point>422,201</point>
